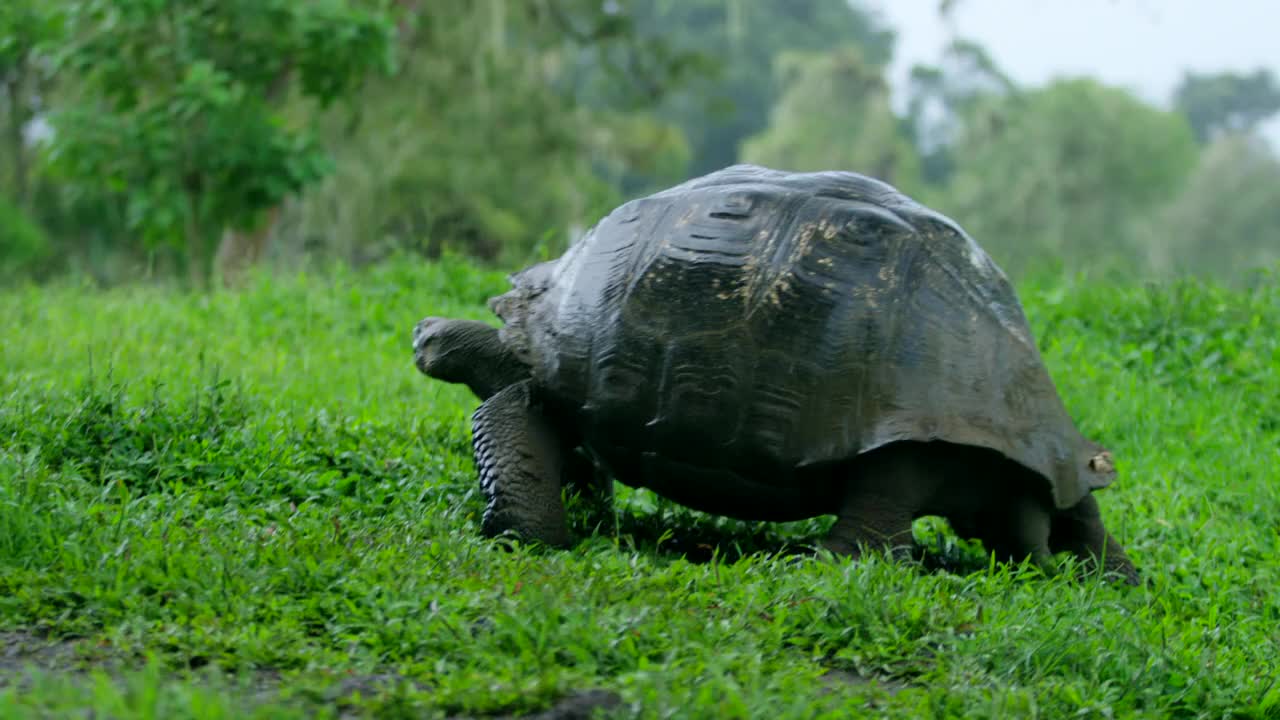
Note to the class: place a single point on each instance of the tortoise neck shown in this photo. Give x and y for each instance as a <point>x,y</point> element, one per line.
<point>485,365</point>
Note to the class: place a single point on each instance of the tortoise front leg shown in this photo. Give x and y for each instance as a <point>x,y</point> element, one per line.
<point>520,460</point>
<point>1079,531</point>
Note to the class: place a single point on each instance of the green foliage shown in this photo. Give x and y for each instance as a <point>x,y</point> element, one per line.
<point>834,114</point>
<point>619,59</point>
<point>29,29</point>
<point>24,247</point>
<point>478,145</point>
<point>720,110</point>
<point>251,505</point>
<point>940,97</point>
<point>506,128</point>
<point>1226,219</point>
<point>25,27</point>
<point>1063,174</point>
<point>635,148</point>
<point>1227,102</point>
<point>177,113</point>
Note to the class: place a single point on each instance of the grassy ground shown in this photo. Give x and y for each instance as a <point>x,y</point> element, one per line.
<point>252,505</point>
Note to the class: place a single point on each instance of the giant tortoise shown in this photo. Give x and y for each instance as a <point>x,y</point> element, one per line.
<point>772,346</point>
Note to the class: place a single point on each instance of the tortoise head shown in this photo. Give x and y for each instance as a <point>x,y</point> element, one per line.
<point>467,352</point>
<point>443,348</point>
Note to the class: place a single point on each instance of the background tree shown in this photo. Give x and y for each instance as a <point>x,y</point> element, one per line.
<point>273,129</point>
<point>718,110</point>
<point>176,114</point>
<point>1064,172</point>
<point>834,114</point>
<point>29,29</point>
<point>482,143</point>
<point>1226,217</point>
<point>940,96</point>
<point>1225,102</point>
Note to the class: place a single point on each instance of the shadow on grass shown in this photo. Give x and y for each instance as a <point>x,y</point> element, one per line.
<point>674,532</point>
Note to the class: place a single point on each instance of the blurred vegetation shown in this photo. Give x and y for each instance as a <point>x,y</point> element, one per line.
<point>1063,172</point>
<point>838,96</point>
<point>176,114</point>
<point>190,140</point>
<point>24,247</point>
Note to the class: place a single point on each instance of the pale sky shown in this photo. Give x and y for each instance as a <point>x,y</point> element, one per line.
<point>1141,45</point>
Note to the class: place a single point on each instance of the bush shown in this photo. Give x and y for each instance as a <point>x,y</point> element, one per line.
<point>24,247</point>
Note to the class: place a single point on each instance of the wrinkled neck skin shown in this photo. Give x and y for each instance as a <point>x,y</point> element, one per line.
<point>471,354</point>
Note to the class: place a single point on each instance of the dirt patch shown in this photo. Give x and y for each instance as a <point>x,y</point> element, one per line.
<point>577,706</point>
<point>835,677</point>
<point>23,650</point>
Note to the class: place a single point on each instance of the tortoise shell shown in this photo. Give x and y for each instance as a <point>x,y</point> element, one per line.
<point>754,323</point>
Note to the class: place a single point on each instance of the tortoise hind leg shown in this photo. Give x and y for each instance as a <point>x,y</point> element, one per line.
<point>1020,531</point>
<point>867,521</point>
<point>878,504</point>
<point>520,460</point>
<point>989,529</point>
<point>1079,531</point>
<point>591,485</point>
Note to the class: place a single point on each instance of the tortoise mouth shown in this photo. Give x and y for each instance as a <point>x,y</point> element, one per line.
<point>426,357</point>
<point>440,364</point>
<point>424,361</point>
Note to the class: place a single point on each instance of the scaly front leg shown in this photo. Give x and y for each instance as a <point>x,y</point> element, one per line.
<point>520,460</point>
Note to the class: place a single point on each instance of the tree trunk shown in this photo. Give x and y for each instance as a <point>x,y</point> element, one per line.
<point>240,250</point>
<point>197,255</point>
<point>17,140</point>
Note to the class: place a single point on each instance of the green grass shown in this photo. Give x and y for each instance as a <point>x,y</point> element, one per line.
<point>252,505</point>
